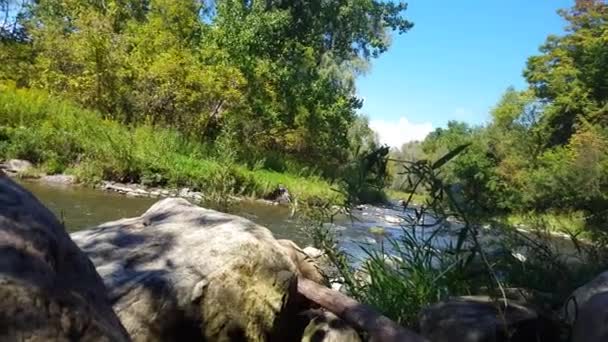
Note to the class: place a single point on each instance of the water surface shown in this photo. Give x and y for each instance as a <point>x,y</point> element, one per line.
<point>81,207</point>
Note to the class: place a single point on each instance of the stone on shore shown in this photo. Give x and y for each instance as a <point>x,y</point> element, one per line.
<point>49,290</point>
<point>58,179</point>
<point>181,272</point>
<point>17,166</point>
<point>477,319</point>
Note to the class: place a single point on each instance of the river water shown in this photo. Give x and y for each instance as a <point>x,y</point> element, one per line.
<point>82,207</point>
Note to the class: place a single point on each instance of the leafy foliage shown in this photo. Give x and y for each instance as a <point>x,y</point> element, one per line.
<point>63,137</point>
<point>259,78</point>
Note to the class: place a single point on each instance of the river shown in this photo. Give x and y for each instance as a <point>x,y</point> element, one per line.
<point>81,207</point>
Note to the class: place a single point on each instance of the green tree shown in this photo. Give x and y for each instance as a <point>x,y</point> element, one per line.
<point>259,80</point>
<point>570,73</point>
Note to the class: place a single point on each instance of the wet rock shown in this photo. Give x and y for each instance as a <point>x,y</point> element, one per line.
<point>581,295</point>
<point>181,272</point>
<point>17,166</point>
<point>58,179</point>
<point>280,195</point>
<point>49,289</point>
<point>392,219</point>
<point>477,319</point>
<point>327,327</point>
<point>366,240</point>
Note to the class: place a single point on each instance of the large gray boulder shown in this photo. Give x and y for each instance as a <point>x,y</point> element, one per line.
<point>477,319</point>
<point>180,272</point>
<point>587,310</point>
<point>590,325</point>
<point>49,290</point>
<point>581,295</point>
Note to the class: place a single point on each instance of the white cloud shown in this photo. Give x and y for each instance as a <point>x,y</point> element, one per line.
<point>396,133</point>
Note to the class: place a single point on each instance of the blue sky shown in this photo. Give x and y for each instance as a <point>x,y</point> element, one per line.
<point>454,64</point>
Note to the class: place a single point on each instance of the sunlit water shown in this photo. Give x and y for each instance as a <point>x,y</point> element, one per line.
<point>83,207</point>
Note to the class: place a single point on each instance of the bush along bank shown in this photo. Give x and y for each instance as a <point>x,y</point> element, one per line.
<point>59,137</point>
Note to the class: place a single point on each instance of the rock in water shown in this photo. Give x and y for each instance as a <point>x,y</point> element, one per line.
<point>180,272</point>
<point>280,195</point>
<point>49,290</point>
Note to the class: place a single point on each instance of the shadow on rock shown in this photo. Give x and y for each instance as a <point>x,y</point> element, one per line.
<point>49,289</point>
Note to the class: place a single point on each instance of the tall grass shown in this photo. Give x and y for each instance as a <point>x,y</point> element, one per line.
<point>60,136</point>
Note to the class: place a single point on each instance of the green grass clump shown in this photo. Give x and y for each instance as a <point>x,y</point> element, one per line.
<point>61,137</point>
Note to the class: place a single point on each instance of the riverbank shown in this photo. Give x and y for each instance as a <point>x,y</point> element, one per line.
<point>59,137</point>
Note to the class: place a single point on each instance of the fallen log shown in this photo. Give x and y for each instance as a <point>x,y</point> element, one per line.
<point>363,317</point>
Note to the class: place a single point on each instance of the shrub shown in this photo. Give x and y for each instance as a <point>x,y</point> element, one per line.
<point>60,136</point>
